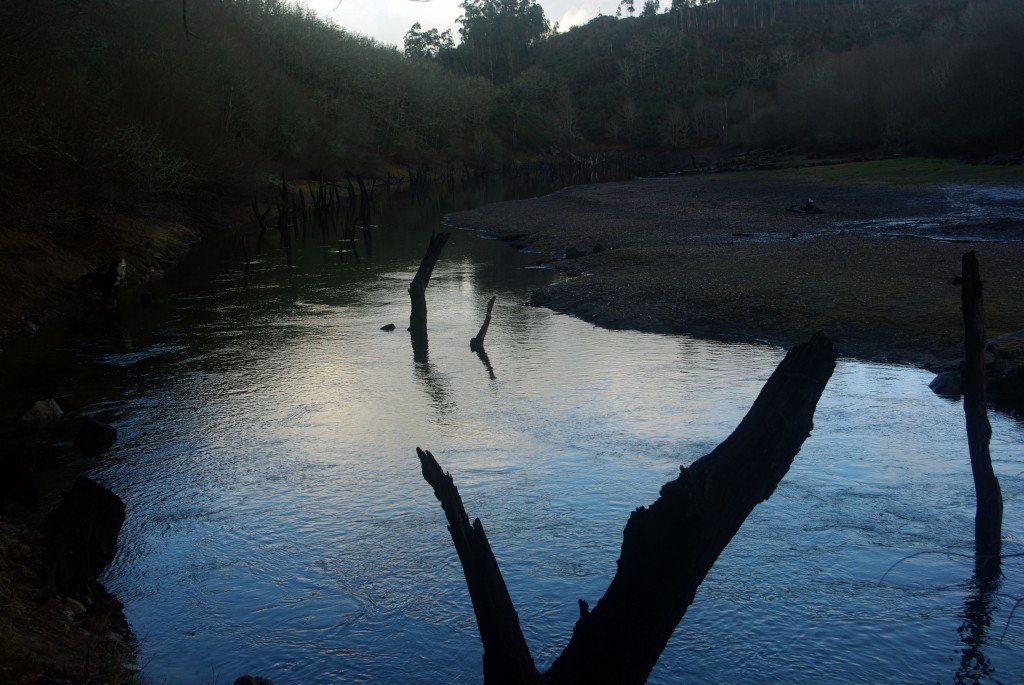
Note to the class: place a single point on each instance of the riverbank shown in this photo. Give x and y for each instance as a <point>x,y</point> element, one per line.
<point>736,257</point>
<point>51,254</point>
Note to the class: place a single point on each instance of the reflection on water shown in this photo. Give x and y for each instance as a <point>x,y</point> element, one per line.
<point>976,626</point>
<point>278,523</point>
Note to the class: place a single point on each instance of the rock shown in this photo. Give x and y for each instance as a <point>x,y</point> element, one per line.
<point>95,437</point>
<point>76,607</point>
<point>390,327</point>
<point>598,247</point>
<point>947,384</point>
<point>43,410</point>
<point>81,538</point>
<point>1004,371</point>
<point>253,680</point>
<point>1006,380</point>
<point>574,253</point>
<point>30,326</point>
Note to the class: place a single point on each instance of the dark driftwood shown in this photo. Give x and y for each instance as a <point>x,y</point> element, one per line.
<point>667,549</point>
<point>988,519</point>
<point>418,287</point>
<point>506,655</point>
<point>477,344</point>
<point>245,255</point>
<point>284,216</point>
<point>261,219</point>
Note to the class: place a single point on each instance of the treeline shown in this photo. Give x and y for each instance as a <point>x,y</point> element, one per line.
<point>924,77</point>
<point>921,76</point>
<point>166,96</point>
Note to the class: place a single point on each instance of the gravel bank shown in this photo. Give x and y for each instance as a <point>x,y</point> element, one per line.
<point>725,257</point>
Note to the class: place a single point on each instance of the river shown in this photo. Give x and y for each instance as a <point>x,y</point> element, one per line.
<point>278,523</point>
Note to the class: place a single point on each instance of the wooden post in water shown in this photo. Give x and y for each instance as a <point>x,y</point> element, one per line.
<point>418,287</point>
<point>477,344</point>
<point>284,216</point>
<point>261,219</point>
<point>988,518</point>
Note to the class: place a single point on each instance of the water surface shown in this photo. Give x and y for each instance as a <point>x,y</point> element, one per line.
<point>278,523</point>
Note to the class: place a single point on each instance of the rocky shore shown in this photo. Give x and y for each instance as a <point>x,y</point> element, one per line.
<point>868,254</point>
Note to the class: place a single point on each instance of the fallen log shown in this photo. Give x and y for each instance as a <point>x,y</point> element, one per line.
<point>667,549</point>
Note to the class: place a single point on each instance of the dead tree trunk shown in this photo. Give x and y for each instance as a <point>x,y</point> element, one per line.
<point>988,519</point>
<point>667,549</point>
<point>506,655</point>
<point>261,220</point>
<point>477,344</point>
<point>418,287</point>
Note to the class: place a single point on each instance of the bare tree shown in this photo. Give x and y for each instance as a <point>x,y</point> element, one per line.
<point>667,548</point>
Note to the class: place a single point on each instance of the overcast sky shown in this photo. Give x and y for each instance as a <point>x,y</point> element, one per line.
<point>388,20</point>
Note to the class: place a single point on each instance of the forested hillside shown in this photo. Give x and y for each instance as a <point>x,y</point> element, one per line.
<point>921,76</point>
<point>164,97</point>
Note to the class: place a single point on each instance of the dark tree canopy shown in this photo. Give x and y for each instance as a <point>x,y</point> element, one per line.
<point>496,35</point>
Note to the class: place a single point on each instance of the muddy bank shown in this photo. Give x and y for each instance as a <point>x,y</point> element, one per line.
<point>52,257</point>
<point>732,257</point>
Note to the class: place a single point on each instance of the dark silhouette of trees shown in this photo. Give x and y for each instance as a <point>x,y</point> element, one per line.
<point>497,35</point>
<point>427,43</point>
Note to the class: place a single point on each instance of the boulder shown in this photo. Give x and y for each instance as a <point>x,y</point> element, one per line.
<point>95,437</point>
<point>81,538</point>
<point>253,680</point>
<point>1004,370</point>
<point>947,384</point>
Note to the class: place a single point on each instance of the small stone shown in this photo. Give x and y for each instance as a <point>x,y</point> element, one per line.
<point>390,327</point>
<point>77,608</point>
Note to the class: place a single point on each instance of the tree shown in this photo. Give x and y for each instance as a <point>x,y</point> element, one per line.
<point>428,44</point>
<point>496,35</point>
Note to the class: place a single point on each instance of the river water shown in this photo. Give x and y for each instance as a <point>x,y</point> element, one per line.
<point>278,523</point>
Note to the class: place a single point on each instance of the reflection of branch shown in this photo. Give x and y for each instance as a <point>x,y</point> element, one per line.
<point>1009,618</point>
<point>977,619</point>
<point>487,362</point>
<point>435,385</point>
<point>184,20</point>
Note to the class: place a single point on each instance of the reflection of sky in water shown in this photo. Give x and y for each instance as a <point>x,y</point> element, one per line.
<point>278,523</point>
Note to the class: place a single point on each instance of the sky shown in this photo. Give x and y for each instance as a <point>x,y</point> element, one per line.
<point>388,20</point>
